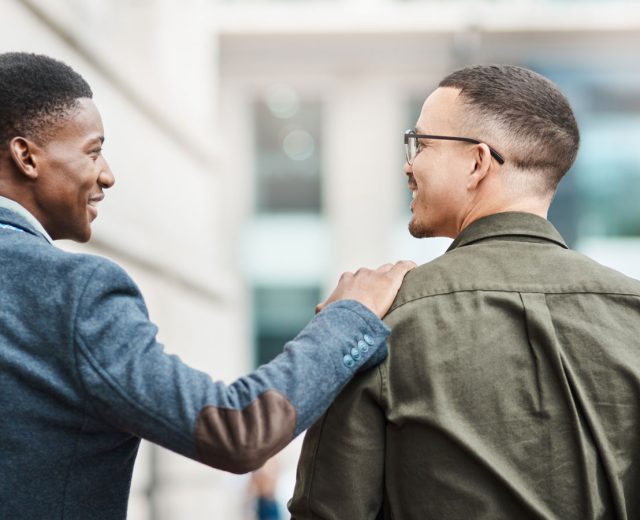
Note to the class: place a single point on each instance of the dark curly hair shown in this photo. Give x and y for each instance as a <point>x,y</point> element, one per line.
<point>36,92</point>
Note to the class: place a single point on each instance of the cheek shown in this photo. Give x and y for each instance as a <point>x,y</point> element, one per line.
<point>87,176</point>
<point>451,177</point>
<point>439,190</point>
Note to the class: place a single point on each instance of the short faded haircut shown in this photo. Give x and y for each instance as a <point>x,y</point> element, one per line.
<point>528,110</point>
<point>36,93</point>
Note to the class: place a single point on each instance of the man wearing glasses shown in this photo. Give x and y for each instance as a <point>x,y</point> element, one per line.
<point>513,383</point>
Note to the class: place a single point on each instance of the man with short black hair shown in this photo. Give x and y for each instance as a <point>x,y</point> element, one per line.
<point>512,386</point>
<point>82,375</point>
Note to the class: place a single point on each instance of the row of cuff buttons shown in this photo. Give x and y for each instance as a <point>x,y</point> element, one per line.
<point>356,352</point>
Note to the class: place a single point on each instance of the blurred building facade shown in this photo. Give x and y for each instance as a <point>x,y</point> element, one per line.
<point>257,147</point>
<point>153,80</point>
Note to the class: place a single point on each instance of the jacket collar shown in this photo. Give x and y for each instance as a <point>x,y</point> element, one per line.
<point>509,226</point>
<point>8,216</point>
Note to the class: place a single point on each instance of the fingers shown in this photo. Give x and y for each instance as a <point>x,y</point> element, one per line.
<point>347,275</point>
<point>385,268</point>
<point>376,289</point>
<point>402,267</point>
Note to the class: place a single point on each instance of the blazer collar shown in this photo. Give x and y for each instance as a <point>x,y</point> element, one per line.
<point>12,218</point>
<point>509,226</point>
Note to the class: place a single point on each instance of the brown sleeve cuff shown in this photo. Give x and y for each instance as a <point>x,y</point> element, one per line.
<point>243,440</point>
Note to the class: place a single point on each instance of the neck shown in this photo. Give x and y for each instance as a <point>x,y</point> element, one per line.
<point>11,185</point>
<point>532,205</point>
<point>22,196</point>
<point>16,196</point>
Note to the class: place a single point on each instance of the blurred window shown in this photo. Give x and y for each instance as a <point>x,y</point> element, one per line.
<point>609,176</point>
<point>280,313</point>
<point>599,196</point>
<point>288,152</point>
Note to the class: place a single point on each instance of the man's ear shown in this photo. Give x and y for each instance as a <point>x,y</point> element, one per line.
<point>23,153</point>
<point>481,165</point>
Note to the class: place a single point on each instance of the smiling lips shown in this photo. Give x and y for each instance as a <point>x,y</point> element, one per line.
<point>93,202</point>
<point>414,189</point>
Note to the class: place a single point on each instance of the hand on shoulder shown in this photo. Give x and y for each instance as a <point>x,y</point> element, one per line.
<point>374,288</point>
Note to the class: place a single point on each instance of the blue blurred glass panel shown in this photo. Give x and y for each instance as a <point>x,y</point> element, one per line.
<point>599,196</point>
<point>280,312</point>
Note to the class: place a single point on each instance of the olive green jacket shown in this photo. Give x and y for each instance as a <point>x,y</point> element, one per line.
<point>511,391</point>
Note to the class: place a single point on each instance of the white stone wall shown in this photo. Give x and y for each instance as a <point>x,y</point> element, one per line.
<point>162,220</point>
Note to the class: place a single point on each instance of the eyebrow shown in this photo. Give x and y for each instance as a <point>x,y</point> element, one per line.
<point>99,138</point>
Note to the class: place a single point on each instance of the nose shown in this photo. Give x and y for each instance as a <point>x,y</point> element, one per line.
<point>106,178</point>
<point>407,168</point>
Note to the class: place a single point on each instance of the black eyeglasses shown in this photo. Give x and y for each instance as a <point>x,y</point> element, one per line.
<point>411,144</point>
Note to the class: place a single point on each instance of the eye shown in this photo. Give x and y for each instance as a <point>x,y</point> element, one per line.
<point>96,152</point>
<point>420,145</point>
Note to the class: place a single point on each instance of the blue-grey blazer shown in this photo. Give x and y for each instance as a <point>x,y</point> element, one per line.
<point>82,379</point>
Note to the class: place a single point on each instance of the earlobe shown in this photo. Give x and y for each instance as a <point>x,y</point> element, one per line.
<point>24,157</point>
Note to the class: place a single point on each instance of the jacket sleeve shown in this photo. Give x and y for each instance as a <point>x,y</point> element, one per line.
<point>136,387</point>
<point>341,468</point>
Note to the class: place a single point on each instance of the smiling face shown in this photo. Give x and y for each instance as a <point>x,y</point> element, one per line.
<point>71,174</point>
<point>437,176</point>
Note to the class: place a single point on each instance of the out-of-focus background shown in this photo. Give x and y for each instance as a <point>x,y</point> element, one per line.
<point>257,147</point>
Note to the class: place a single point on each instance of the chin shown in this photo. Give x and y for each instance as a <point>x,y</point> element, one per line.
<point>419,230</point>
<point>85,237</point>
<point>80,235</point>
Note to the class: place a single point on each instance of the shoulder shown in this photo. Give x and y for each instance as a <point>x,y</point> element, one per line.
<point>32,254</point>
<point>99,275</point>
<point>510,266</point>
<point>74,269</point>
<point>442,275</point>
<point>84,264</point>
<point>603,278</point>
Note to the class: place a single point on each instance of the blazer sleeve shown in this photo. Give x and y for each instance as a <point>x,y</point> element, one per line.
<point>136,387</point>
<point>341,468</point>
